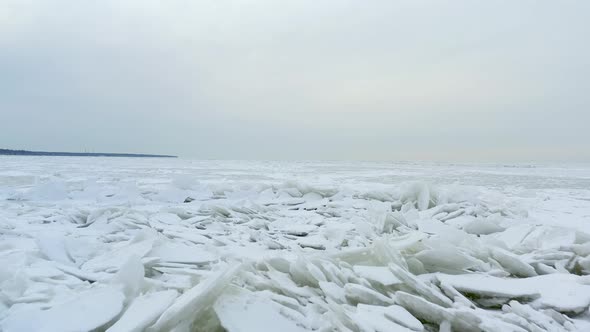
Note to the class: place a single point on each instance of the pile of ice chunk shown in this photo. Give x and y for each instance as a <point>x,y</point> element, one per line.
<point>287,256</point>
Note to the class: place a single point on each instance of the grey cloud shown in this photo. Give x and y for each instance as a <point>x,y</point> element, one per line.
<point>453,80</point>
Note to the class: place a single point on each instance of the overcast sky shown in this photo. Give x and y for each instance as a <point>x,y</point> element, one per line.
<point>266,79</point>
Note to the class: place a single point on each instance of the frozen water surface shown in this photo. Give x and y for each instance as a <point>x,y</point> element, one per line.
<point>95,244</point>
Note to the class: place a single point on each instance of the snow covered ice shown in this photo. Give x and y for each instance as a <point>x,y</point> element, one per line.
<point>105,244</point>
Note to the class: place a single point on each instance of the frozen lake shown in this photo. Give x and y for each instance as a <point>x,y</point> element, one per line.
<point>128,244</point>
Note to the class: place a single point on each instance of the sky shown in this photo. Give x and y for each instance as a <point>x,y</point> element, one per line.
<point>457,80</point>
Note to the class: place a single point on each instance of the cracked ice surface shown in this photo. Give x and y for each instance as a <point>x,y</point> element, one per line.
<point>94,244</point>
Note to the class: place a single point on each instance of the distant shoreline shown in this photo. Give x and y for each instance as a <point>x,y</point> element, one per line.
<point>7,152</point>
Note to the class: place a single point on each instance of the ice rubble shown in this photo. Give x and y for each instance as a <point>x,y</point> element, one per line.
<point>288,256</point>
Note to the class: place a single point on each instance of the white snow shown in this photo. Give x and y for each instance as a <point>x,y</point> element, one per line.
<point>118,244</point>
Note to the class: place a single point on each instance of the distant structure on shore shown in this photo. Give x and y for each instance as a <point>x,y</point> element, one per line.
<point>7,152</point>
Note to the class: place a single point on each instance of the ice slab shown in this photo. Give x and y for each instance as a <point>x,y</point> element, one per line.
<point>247,312</point>
<point>379,274</point>
<point>195,301</point>
<point>86,311</point>
<point>144,311</point>
<point>561,292</point>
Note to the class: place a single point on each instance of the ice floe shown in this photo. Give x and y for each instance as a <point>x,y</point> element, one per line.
<point>178,245</point>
